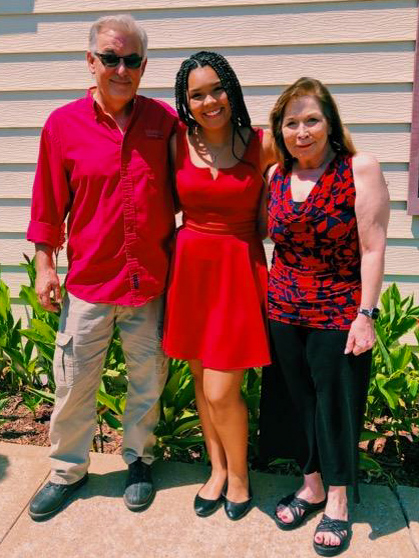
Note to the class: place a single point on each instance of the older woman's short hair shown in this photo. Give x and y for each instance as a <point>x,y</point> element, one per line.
<point>339,138</point>
<point>119,21</point>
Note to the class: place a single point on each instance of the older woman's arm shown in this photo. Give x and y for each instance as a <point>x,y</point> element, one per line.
<point>372,213</point>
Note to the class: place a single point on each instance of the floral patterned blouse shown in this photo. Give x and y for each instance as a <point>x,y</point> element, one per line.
<point>315,276</point>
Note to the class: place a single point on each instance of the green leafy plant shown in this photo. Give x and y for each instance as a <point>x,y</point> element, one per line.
<point>179,430</point>
<point>393,395</point>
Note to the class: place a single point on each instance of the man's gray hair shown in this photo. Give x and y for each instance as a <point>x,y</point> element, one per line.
<point>123,21</point>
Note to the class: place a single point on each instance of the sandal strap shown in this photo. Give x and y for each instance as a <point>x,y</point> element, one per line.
<point>295,504</point>
<point>335,526</point>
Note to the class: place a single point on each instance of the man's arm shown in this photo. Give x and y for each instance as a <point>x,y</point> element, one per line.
<point>50,205</point>
<point>46,278</point>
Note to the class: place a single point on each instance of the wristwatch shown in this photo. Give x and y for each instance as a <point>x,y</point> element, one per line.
<point>370,312</point>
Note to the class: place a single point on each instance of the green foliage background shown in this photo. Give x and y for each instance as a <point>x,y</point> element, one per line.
<point>26,356</point>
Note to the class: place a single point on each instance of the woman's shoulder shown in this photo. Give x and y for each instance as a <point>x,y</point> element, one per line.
<point>364,163</point>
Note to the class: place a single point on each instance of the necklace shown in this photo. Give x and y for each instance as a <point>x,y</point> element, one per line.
<point>212,150</point>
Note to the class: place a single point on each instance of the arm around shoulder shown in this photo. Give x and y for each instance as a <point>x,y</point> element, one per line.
<point>268,156</point>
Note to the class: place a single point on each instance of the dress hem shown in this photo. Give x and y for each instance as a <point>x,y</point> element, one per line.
<point>215,367</point>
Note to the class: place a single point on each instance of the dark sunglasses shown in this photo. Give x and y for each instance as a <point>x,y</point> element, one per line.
<point>111,60</point>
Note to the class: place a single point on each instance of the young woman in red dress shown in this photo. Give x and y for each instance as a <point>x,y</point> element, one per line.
<point>328,214</point>
<point>216,305</point>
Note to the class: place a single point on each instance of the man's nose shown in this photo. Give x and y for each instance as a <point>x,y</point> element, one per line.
<point>121,69</point>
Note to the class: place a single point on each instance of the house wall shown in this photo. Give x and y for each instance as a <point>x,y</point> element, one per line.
<point>363,50</point>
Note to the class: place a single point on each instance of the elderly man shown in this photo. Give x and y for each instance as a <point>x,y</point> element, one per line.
<point>103,161</point>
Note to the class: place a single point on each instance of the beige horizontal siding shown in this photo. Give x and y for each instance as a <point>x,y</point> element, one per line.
<point>21,146</point>
<point>15,218</point>
<point>12,250</point>
<point>362,49</point>
<point>275,66</point>
<point>223,27</point>
<point>28,110</point>
<point>70,6</point>
<point>16,180</point>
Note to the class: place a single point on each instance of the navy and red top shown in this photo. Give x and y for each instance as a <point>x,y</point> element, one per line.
<point>315,276</point>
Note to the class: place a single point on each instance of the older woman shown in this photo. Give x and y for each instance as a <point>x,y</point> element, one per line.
<point>328,213</point>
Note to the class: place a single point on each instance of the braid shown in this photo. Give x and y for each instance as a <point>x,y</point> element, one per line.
<point>239,114</point>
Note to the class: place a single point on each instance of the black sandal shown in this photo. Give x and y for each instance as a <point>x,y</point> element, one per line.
<point>338,528</point>
<point>295,505</point>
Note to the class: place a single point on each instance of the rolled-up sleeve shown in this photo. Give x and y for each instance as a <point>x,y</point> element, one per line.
<point>51,192</point>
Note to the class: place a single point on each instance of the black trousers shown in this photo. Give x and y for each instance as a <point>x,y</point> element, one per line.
<point>313,400</point>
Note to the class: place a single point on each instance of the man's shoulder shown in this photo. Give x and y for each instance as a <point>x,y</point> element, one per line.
<point>61,114</point>
<point>158,107</point>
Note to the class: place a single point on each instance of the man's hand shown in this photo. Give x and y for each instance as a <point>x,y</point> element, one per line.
<point>47,279</point>
<point>361,336</point>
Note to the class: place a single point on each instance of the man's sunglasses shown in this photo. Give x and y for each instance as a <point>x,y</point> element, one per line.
<point>110,60</point>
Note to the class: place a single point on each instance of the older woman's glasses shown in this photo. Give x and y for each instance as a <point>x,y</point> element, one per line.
<point>111,60</point>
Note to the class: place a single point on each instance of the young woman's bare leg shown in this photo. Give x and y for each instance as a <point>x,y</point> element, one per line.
<point>228,414</point>
<point>213,487</point>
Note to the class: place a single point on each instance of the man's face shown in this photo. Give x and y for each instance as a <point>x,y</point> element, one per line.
<point>116,85</point>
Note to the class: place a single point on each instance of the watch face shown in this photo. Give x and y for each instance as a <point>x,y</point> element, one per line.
<point>375,313</point>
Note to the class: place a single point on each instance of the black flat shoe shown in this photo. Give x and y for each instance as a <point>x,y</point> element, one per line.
<point>338,527</point>
<point>204,507</point>
<point>300,510</point>
<point>237,510</point>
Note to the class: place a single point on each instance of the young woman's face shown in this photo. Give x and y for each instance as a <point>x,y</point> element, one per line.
<point>208,101</point>
<point>305,129</point>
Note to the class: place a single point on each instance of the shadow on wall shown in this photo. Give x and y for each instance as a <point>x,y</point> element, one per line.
<point>4,463</point>
<point>16,7</point>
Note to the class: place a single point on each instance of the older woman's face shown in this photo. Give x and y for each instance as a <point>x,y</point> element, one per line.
<point>305,130</point>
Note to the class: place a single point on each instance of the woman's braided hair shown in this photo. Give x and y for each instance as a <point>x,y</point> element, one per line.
<point>239,115</point>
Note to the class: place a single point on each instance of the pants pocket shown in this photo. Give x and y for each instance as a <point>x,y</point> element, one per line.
<point>64,360</point>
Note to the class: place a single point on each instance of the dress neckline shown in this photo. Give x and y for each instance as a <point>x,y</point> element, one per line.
<point>314,190</point>
<point>207,169</point>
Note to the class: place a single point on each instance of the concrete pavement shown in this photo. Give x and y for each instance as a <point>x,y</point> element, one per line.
<point>96,524</point>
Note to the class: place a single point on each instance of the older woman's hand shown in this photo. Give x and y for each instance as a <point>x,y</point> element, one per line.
<point>361,336</point>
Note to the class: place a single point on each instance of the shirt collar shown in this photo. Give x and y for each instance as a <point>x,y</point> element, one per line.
<point>97,110</point>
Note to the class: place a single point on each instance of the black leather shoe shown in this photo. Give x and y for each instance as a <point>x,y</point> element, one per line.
<point>51,498</point>
<point>236,510</point>
<point>204,507</point>
<point>139,489</point>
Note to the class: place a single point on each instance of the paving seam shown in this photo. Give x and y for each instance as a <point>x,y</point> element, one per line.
<point>24,508</point>
<point>405,515</point>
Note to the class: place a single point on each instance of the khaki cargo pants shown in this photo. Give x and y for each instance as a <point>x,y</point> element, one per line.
<point>82,342</point>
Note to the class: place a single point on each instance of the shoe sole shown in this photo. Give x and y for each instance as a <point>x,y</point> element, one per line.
<point>331,550</point>
<point>47,515</point>
<point>140,507</point>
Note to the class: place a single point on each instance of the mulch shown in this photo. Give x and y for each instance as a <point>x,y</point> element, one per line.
<point>22,426</point>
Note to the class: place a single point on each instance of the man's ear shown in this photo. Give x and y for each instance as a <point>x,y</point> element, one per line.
<point>90,62</point>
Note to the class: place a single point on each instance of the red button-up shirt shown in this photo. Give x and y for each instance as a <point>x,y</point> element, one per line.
<point>115,189</point>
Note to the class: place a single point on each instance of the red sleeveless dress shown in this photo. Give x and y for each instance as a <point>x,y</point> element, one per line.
<point>217,293</point>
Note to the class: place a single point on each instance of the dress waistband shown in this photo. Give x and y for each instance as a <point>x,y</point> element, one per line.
<point>244,228</point>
